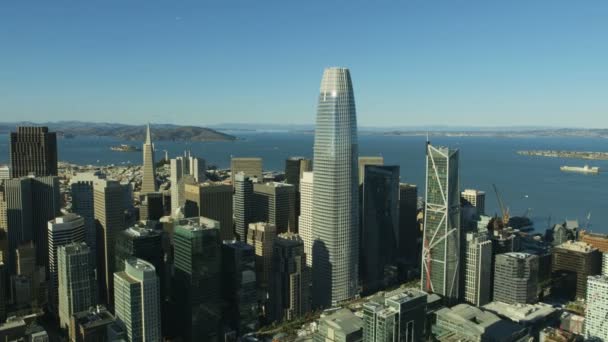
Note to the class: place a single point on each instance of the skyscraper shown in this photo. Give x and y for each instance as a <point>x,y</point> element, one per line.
<point>261,236</point>
<point>580,258</point>
<point>214,201</point>
<point>367,160</point>
<point>441,238</point>
<point>243,205</point>
<point>295,168</point>
<point>76,281</point>
<point>5,172</point>
<point>181,167</point>
<point>380,224</point>
<point>410,235</point>
<point>148,183</point>
<point>475,198</point>
<point>335,192</point>
<point>274,203</point>
<point>516,278</point>
<point>251,167</point>
<point>141,242</point>
<point>197,281</point>
<point>61,231</point>
<point>33,151</point>
<point>477,268</point>
<point>137,300</point>
<point>596,328</point>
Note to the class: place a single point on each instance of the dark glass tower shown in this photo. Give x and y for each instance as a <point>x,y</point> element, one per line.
<point>335,192</point>
<point>33,151</point>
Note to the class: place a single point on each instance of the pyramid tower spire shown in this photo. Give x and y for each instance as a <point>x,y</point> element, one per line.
<point>148,134</point>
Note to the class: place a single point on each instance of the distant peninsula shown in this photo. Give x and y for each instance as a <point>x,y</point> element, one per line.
<point>160,132</point>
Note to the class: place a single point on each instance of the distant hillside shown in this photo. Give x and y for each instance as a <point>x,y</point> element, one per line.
<point>160,132</point>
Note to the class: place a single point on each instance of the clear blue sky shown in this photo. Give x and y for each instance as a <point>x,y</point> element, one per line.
<point>504,62</point>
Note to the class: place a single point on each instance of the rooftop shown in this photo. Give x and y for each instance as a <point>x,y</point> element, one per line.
<point>344,320</point>
<point>198,223</point>
<point>577,246</point>
<point>521,313</point>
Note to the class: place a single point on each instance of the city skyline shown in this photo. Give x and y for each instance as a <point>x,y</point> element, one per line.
<point>452,64</point>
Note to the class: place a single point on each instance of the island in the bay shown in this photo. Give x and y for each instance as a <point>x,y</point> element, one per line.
<point>566,154</point>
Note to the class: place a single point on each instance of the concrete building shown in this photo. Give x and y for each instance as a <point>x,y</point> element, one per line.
<point>251,167</point>
<point>335,192</point>
<point>363,161</point>
<point>441,238</point>
<point>214,201</point>
<point>516,278</point>
<point>137,300</point>
<point>579,258</point>
<point>595,240</point>
<point>290,278</point>
<point>597,308</point>
<point>243,205</point>
<point>410,235</point>
<point>477,268</point>
<point>339,326</point>
<point>61,231</point>
<point>76,285</point>
<point>148,183</point>
<point>476,199</point>
<point>305,219</point>
<point>33,150</point>
<point>274,203</point>
<point>399,317</point>
<point>295,168</point>
<point>261,236</point>
<point>109,205</point>
<point>197,282</point>
<point>91,325</point>
<point>380,225</point>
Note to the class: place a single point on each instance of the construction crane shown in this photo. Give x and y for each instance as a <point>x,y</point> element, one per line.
<point>503,209</point>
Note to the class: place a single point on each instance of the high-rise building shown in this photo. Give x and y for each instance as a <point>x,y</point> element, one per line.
<point>3,215</point>
<point>516,278</point>
<point>410,235</point>
<point>83,204</point>
<point>61,231</point>
<point>380,224</point>
<point>31,202</point>
<point>261,236</point>
<point>579,258</point>
<point>251,167</point>
<point>398,317</point>
<point>76,280</point>
<point>364,161</point>
<point>335,192</point>
<point>476,199</point>
<point>214,201</point>
<point>5,172</point>
<point>137,300</point>
<point>305,219</point>
<point>243,205</point>
<point>441,238</point>
<point>274,203</point>
<point>596,240</point>
<point>151,207</point>
<point>290,278</point>
<point>3,291</point>
<point>596,312</point>
<point>180,168</point>
<point>477,268</point>
<point>295,168</point>
<point>110,219</point>
<point>197,281</point>
<point>198,168</point>
<point>33,151</point>
<point>605,264</point>
<point>148,183</point>
<point>142,242</point>
<point>239,288</point>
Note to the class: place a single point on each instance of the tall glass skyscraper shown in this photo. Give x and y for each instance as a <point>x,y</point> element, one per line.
<point>335,191</point>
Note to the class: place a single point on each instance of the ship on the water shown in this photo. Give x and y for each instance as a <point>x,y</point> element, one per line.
<point>583,169</point>
<point>125,148</point>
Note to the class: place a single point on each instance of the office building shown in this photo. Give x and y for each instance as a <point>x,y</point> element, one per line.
<point>137,300</point>
<point>579,258</point>
<point>3,216</point>
<point>380,225</point>
<point>243,205</point>
<point>476,199</point>
<point>198,168</point>
<point>139,241</point>
<point>30,203</point>
<point>410,234</point>
<point>516,278</point>
<point>33,151</point>
<point>441,237</point>
<point>214,201</point>
<point>197,282</point>
<point>597,308</point>
<point>91,325</point>
<point>151,206</point>
<point>274,203</point>
<point>148,183</point>
<point>295,168</point>
<point>83,204</point>
<point>76,280</point>
<point>250,167</point>
<point>239,288</point>
<point>477,268</point>
<point>340,326</point>
<point>290,278</point>
<point>305,218</point>
<point>261,236</point>
<point>364,161</point>
<point>335,192</point>
<point>61,231</point>
<point>605,264</point>
<point>5,172</point>
<point>596,240</point>
<point>397,317</point>
<point>3,291</point>
<point>109,206</point>
<point>181,168</point>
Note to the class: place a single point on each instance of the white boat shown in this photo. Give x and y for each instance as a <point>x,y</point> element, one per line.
<point>584,169</point>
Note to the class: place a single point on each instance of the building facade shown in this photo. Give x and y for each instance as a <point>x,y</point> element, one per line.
<point>83,204</point>
<point>476,199</point>
<point>243,205</point>
<point>410,234</point>
<point>516,278</point>
<point>261,236</point>
<point>597,308</point>
<point>33,150</point>
<point>251,167</point>
<point>478,269</point>
<point>274,203</point>
<point>579,258</point>
<point>76,281</point>
<point>214,201</point>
